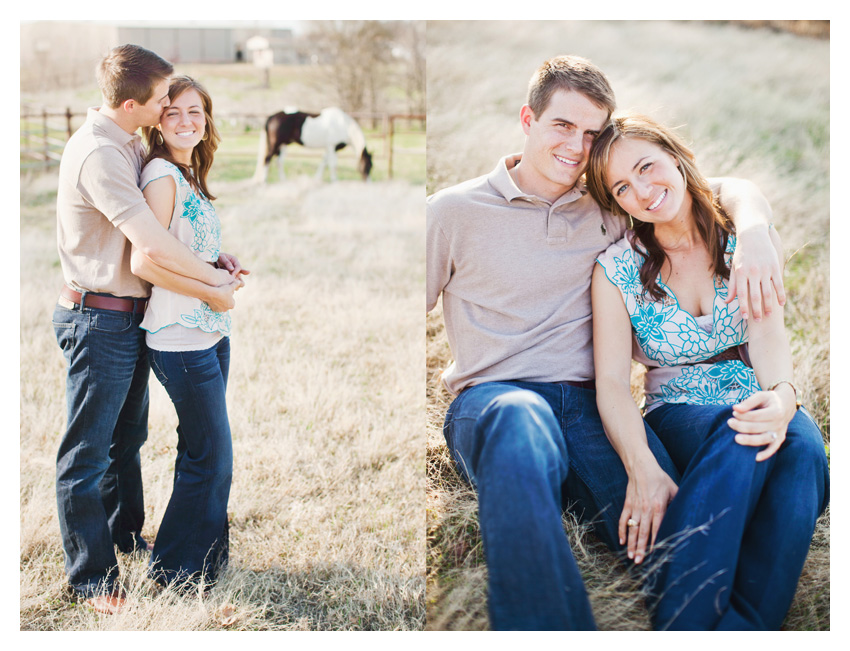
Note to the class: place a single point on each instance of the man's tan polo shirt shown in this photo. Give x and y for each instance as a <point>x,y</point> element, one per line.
<point>99,191</point>
<point>514,271</point>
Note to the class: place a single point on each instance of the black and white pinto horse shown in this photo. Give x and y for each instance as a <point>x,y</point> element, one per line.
<point>330,130</point>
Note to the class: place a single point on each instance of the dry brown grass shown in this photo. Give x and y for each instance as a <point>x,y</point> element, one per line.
<point>325,401</point>
<point>755,104</point>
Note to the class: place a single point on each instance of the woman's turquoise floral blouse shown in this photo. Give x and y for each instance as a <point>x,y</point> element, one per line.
<point>195,223</point>
<point>672,343</point>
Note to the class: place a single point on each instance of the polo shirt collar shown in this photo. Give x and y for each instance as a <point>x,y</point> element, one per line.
<point>110,129</point>
<point>504,184</point>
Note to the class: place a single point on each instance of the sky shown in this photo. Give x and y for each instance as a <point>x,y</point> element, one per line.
<point>294,25</point>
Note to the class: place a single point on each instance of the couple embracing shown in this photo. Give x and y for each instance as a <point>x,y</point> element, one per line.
<point>602,242</point>
<point>146,287</point>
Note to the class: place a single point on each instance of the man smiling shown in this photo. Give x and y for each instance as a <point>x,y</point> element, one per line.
<point>558,134</point>
<point>512,255</point>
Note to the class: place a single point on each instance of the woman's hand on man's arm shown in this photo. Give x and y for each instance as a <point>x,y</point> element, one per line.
<point>231,264</point>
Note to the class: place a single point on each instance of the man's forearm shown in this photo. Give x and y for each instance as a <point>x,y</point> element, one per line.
<point>172,255</point>
<point>218,298</point>
<point>145,268</point>
<point>742,200</point>
<point>149,237</point>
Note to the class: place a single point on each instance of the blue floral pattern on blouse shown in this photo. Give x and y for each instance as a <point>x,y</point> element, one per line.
<point>195,223</point>
<point>673,342</point>
<point>206,319</point>
<point>205,223</point>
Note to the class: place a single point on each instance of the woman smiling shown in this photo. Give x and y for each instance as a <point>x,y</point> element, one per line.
<point>734,533</point>
<point>189,344</point>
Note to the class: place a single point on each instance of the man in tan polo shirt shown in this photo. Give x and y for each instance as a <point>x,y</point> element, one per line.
<point>101,213</point>
<point>512,255</point>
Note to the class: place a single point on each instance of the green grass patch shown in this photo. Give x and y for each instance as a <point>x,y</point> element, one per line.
<point>236,158</point>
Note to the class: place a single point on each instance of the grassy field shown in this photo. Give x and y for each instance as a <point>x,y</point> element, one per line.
<point>326,403</point>
<point>754,104</point>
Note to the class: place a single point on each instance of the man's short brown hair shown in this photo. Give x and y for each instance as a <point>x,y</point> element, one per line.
<point>130,72</point>
<point>569,73</point>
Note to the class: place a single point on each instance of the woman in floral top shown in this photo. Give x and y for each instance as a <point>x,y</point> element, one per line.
<point>189,344</point>
<point>731,535</point>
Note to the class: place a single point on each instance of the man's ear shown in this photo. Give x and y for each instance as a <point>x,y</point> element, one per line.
<point>526,115</point>
<point>128,105</point>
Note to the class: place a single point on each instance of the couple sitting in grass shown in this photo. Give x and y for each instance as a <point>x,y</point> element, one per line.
<point>551,284</point>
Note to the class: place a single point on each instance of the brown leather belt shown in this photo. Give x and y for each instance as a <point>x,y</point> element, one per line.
<point>105,302</point>
<point>739,352</point>
<point>733,353</point>
<point>581,384</point>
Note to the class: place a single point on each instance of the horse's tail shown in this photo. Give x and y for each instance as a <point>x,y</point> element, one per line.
<point>262,152</point>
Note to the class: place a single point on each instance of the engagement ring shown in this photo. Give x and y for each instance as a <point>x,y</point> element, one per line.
<point>632,523</point>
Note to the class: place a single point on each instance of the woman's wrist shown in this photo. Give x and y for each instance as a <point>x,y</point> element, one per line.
<point>638,462</point>
<point>787,398</point>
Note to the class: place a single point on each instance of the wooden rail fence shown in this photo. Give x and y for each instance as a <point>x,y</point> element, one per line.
<point>43,135</point>
<point>44,132</point>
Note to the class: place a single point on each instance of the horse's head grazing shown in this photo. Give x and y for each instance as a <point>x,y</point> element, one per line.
<point>365,165</point>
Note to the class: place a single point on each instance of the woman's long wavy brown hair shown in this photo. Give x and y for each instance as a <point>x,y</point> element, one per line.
<point>202,155</point>
<point>713,225</point>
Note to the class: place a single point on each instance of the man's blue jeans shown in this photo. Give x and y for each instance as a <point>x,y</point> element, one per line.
<point>532,450</point>
<point>737,534</point>
<point>192,543</point>
<point>98,471</point>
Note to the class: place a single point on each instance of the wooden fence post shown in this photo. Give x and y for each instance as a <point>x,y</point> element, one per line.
<point>26,130</point>
<point>46,143</point>
<point>390,161</point>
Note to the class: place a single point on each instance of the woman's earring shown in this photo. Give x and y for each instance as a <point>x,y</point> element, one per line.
<point>631,222</point>
<point>204,137</point>
<point>159,139</point>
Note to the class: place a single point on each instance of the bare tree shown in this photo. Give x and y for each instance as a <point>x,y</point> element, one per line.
<point>358,54</point>
<point>411,39</point>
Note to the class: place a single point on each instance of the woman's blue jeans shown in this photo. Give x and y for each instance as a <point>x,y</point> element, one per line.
<point>192,543</point>
<point>736,536</point>
<point>532,450</point>
<point>98,469</point>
